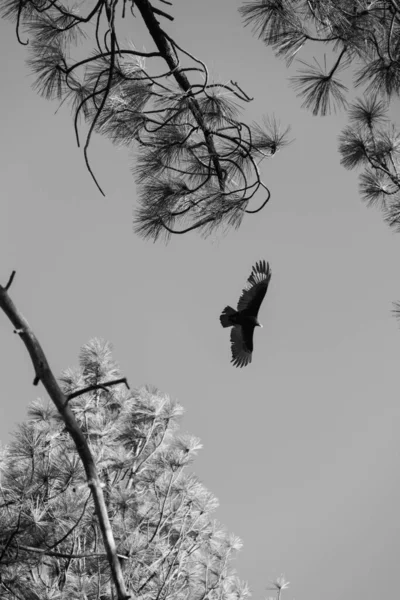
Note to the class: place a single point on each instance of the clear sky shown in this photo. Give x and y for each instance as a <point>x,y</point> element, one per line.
<point>301,447</point>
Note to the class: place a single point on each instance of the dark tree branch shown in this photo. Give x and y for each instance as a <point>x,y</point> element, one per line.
<point>98,386</point>
<point>191,228</point>
<point>166,50</point>
<point>256,210</point>
<point>45,375</point>
<point>157,11</point>
<point>10,281</point>
<point>66,555</point>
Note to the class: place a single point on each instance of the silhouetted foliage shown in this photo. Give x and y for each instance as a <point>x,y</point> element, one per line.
<point>365,37</point>
<point>197,163</point>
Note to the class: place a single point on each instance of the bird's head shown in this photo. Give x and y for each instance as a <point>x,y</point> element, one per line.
<point>253,321</point>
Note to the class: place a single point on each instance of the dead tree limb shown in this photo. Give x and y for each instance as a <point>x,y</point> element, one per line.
<point>44,374</point>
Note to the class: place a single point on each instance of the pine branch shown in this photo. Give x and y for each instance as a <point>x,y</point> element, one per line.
<point>163,43</point>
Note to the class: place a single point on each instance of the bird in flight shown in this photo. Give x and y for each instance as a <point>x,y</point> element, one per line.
<point>244,319</point>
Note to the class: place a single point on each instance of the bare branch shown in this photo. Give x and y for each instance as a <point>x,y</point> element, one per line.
<point>157,11</point>
<point>64,554</point>
<point>98,386</point>
<point>45,375</point>
<point>7,287</point>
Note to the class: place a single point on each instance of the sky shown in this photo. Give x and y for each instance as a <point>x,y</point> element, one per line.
<point>301,447</point>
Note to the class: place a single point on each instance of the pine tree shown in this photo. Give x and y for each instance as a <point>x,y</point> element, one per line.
<point>197,163</point>
<point>168,543</point>
<point>364,38</point>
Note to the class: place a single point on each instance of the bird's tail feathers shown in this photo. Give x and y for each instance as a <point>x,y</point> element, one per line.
<point>226,315</point>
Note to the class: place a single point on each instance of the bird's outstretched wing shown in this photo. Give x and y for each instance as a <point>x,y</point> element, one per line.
<point>242,345</point>
<point>255,289</point>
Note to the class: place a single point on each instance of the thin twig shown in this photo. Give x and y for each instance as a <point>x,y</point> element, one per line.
<point>157,11</point>
<point>98,386</point>
<point>7,287</point>
<point>64,554</point>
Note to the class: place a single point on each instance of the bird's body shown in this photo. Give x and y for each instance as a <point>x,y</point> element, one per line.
<point>244,320</point>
